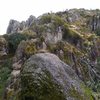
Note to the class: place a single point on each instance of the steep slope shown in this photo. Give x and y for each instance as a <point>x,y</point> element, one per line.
<point>72,35</point>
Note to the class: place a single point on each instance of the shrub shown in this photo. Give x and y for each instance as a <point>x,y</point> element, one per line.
<point>71,35</point>
<point>45,19</point>
<point>97,31</point>
<point>14,40</point>
<point>57,21</point>
<point>30,49</point>
<point>5,70</point>
<point>39,28</point>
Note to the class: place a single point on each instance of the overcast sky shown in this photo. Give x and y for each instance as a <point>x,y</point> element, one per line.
<point>22,9</point>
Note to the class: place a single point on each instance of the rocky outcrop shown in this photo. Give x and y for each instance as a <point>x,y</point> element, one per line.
<point>95,22</point>
<point>76,17</point>
<point>73,15</point>
<point>53,37</point>
<point>45,76</point>
<point>31,20</point>
<point>27,48</point>
<point>16,26</point>
<point>68,35</point>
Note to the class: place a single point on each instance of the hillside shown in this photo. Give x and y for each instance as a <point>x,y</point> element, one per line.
<point>53,57</point>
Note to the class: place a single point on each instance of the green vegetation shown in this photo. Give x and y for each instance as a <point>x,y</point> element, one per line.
<point>97,31</point>
<point>48,18</point>
<point>14,40</point>
<point>45,19</point>
<point>71,35</point>
<point>30,49</point>
<point>5,70</point>
<point>58,21</point>
<point>51,22</point>
<point>39,29</point>
<point>75,94</point>
<point>88,94</point>
<point>68,50</point>
<point>79,48</point>
<point>42,89</point>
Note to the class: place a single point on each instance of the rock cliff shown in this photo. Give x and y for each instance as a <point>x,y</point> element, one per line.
<point>55,56</point>
<point>16,26</point>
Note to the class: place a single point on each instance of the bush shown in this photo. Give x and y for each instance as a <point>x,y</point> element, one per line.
<point>30,49</point>
<point>97,31</point>
<point>45,19</point>
<point>39,29</point>
<point>14,40</point>
<point>58,21</point>
<point>55,20</point>
<point>71,35</point>
<point>5,70</point>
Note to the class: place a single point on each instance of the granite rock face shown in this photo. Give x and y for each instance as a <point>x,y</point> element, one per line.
<point>94,23</point>
<point>45,76</point>
<point>74,37</point>
<point>53,37</point>
<point>16,26</point>
<point>73,15</point>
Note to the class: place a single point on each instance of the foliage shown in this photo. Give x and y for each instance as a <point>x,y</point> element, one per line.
<point>42,89</point>
<point>45,19</point>
<point>97,31</point>
<point>30,49</point>
<point>71,35</point>
<point>14,40</point>
<point>57,21</point>
<point>50,21</point>
<point>77,95</point>
<point>39,28</point>
<point>5,70</point>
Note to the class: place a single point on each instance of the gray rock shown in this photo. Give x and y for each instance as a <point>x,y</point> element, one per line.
<point>24,49</point>
<point>73,15</point>
<point>94,23</point>
<point>53,37</point>
<point>16,26</point>
<point>30,20</point>
<point>46,77</point>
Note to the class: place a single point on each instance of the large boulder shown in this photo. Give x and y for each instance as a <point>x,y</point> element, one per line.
<point>45,77</point>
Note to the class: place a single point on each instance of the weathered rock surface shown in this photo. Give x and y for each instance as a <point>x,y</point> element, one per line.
<point>69,35</point>
<point>45,76</point>
<point>16,26</point>
<point>28,48</point>
<point>53,38</point>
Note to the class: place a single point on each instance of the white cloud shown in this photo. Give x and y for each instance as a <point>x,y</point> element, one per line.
<point>21,9</point>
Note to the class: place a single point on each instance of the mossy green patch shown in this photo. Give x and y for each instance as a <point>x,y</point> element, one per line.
<point>88,92</point>
<point>42,88</point>
<point>75,94</point>
<point>5,70</point>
